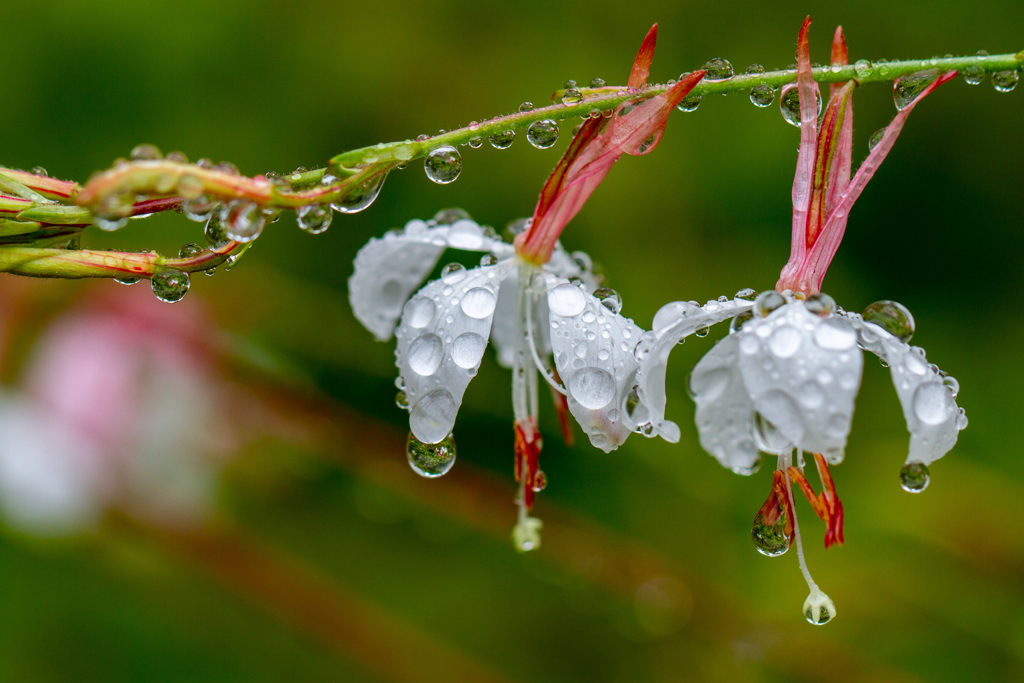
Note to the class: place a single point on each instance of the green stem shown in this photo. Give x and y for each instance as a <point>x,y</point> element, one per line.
<point>70,264</point>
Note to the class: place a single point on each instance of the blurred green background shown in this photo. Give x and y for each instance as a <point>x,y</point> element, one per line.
<point>323,557</point>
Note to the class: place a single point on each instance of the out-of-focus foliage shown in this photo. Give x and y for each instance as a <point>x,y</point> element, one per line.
<point>322,556</point>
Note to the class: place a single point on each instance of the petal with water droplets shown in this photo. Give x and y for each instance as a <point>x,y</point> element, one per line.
<point>725,412</point>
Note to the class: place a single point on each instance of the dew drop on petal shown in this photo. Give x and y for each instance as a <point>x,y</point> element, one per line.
<point>478,303</point>
<point>467,350</point>
<point>443,164</point>
<point>908,87</point>
<point>821,305</point>
<point>835,334</point>
<point>592,387</point>
<point>767,302</point>
<point>785,341</point>
<point>789,104</point>
<point>432,415</point>
<point>914,477</point>
<point>170,285</point>
<point>875,138</point>
<point>892,317</point>
<point>425,354</point>
<point>452,273</point>
<point>430,460</point>
<point>542,134</point>
<point>609,298</point>
<point>746,294</point>
<point>932,403</point>
<point>739,320</point>
<point>567,300</point>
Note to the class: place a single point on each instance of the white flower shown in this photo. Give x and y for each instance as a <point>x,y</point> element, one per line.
<point>529,312</point>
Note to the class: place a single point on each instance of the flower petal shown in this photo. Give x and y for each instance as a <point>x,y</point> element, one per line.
<point>389,269</point>
<point>673,323</point>
<point>725,413</point>
<point>593,350</point>
<point>441,341</point>
<point>926,394</point>
<point>802,373</point>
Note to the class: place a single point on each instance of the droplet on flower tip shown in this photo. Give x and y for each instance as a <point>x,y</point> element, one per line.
<point>892,317</point>
<point>572,96</point>
<point>359,197</point>
<point>170,286</point>
<point>908,87</point>
<point>789,104</point>
<point>242,220</point>
<point>542,134</point>
<point>502,139</point>
<point>402,400</point>
<point>430,460</point>
<point>200,207</point>
<point>443,164</point>
<point>690,102</point>
<point>718,69</point>
<point>609,298</point>
<point>770,540</point>
<point>821,305</point>
<point>914,477</point>
<point>540,481</point>
<point>768,302</point>
<point>1005,81</point>
<point>314,218</point>
<point>189,250</point>
<point>818,609</point>
<point>762,95</point>
<point>875,138</point>
<point>525,107</point>
<point>146,152</point>
<point>862,67</point>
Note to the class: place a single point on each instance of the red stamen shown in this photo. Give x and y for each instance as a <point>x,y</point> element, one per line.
<point>527,446</point>
<point>826,504</point>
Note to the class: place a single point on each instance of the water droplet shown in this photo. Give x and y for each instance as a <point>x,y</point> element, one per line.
<point>567,300</point>
<point>430,460</point>
<point>451,216</point>
<point>690,102</point>
<point>754,69</point>
<point>425,355</point>
<point>821,305</point>
<point>597,83</point>
<point>516,227</point>
<point>914,477</point>
<point>314,218</point>
<point>1005,81</point>
<point>231,169</point>
<point>502,139</point>
<point>478,303</point>
<point>952,385</point>
<point>572,96</point>
<point>762,95</point>
<point>767,436</point>
<point>768,302</point>
<point>146,152</point>
<point>40,171</point>
<point>542,134</point>
<point>592,387</point>
<point>862,67</point>
<point>453,272</point>
<point>127,280</point>
<point>402,400</point>
<point>189,250</point>
<point>214,232</point>
<point>835,334</point>
<point>488,260</point>
<point>746,294</point>
<point>892,317</point>
<point>540,481</point>
<point>789,104</point>
<point>718,69</point>
<point>771,539</point>
<point>785,341</point>
<point>170,285</point>
<point>198,208</point>
<point>932,403</point>
<point>875,138</point>
<point>702,331</point>
<point>476,143</point>
<point>739,320</point>
<point>825,611</point>
<point>242,220</point>
<point>467,350</point>
<point>443,164</point>
<point>908,87</point>
<point>973,74</point>
<point>525,107</point>
<point>110,224</point>
<point>609,298</point>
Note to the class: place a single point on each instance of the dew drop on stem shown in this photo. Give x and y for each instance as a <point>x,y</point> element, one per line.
<point>542,134</point>
<point>170,286</point>
<point>443,164</point>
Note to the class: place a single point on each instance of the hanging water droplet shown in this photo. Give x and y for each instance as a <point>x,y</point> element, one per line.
<point>402,400</point>
<point>718,69</point>
<point>609,298</point>
<point>242,220</point>
<point>430,460</point>
<point>875,138</point>
<point>767,302</point>
<point>862,68</point>
<point>542,134</point>
<point>110,224</point>
<point>146,152</point>
<point>892,317</point>
<point>488,260</point>
<point>314,218</point>
<point>572,96</point>
<point>170,285</point>
<point>821,305</point>
<point>908,87</point>
<point>476,143</point>
<point>540,481</point>
<point>597,83</point>
<point>1005,81</point>
<point>189,250</point>
<point>525,107</point>
<point>914,477</point>
<point>702,331</point>
<point>973,74</point>
<point>690,102</point>
<point>198,208</point>
<point>126,280</point>
<point>952,384</point>
<point>771,539</point>
<point>824,608</point>
<point>762,95</point>
<point>503,139</point>
<point>789,104</point>
<point>443,165</point>
<point>214,232</point>
<point>739,320</point>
